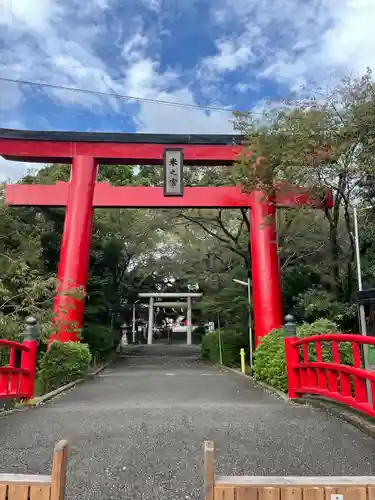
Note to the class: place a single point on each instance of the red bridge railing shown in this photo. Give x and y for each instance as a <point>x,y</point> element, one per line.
<point>17,376</point>
<point>308,373</point>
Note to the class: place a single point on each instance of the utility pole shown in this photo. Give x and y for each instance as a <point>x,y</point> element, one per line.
<point>248,285</point>
<point>219,337</point>
<point>133,322</point>
<point>362,315</point>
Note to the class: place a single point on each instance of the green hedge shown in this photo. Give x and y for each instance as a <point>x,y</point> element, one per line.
<point>269,358</point>
<point>231,343</point>
<point>63,363</point>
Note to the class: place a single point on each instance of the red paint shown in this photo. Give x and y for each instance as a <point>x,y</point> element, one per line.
<point>28,364</point>
<point>75,250</point>
<point>266,283</point>
<point>82,195</point>
<point>330,379</point>
<point>106,195</point>
<point>19,382</point>
<point>292,358</point>
<point>116,153</point>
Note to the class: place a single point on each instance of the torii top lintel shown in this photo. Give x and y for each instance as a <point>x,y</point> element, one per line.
<point>108,148</point>
<point>138,149</point>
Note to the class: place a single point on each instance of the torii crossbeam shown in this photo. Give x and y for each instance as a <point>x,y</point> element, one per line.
<point>85,151</point>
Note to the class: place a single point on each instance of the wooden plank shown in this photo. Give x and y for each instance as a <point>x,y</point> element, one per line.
<point>226,493</point>
<point>349,493</point>
<point>40,492</point>
<point>3,491</point>
<point>18,491</point>
<point>292,493</point>
<point>269,493</point>
<point>25,479</point>
<point>59,468</point>
<point>333,481</point>
<point>313,493</point>
<point>209,469</point>
<point>246,493</point>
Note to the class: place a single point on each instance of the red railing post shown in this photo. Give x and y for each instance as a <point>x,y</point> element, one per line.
<point>291,357</point>
<point>29,357</point>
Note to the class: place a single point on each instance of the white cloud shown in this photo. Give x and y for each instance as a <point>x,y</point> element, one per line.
<point>134,46</point>
<point>13,170</point>
<point>153,5</point>
<point>288,43</point>
<point>302,42</point>
<point>243,87</point>
<point>350,43</point>
<point>156,119</point>
<point>35,15</point>
<point>231,55</point>
<point>56,42</point>
<point>10,96</point>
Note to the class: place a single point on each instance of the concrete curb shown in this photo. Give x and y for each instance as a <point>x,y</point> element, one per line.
<point>263,385</point>
<point>272,390</point>
<point>38,401</point>
<point>50,395</point>
<point>351,416</point>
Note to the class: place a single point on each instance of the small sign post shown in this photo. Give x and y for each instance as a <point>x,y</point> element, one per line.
<point>173,172</point>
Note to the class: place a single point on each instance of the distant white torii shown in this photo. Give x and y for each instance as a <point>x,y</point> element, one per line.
<point>164,295</point>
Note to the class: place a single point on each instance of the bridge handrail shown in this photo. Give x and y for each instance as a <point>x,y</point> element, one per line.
<point>348,384</point>
<point>17,377</point>
<point>338,337</point>
<point>12,344</point>
<point>12,369</point>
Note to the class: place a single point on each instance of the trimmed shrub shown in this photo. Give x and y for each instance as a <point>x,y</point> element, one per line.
<point>231,343</point>
<point>269,361</point>
<point>269,358</point>
<point>63,363</point>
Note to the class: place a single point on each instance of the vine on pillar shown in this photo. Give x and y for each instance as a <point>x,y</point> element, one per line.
<point>75,251</point>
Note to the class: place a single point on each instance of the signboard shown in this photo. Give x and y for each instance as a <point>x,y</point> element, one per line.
<point>371,355</point>
<point>173,172</point>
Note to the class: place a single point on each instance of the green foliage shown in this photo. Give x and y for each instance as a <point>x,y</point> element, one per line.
<point>269,361</point>
<point>10,329</point>
<point>203,250</point>
<point>231,343</point>
<point>198,335</point>
<point>99,338</point>
<point>63,363</point>
<point>269,358</point>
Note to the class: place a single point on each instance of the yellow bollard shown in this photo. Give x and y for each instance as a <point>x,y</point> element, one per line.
<point>242,354</point>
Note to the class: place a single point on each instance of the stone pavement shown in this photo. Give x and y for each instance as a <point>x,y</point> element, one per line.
<point>137,431</point>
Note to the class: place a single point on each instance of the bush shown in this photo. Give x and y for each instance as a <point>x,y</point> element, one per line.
<point>63,363</point>
<point>269,358</point>
<point>231,343</point>
<point>99,339</point>
<point>269,361</point>
<point>198,334</point>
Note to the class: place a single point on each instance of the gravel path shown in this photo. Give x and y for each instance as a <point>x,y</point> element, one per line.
<point>137,430</point>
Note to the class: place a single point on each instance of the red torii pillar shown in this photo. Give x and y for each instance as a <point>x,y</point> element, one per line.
<point>75,250</point>
<point>82,194</point>
<point>266,278</point>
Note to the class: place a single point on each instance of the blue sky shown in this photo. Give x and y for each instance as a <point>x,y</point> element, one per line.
<point>222,53</point>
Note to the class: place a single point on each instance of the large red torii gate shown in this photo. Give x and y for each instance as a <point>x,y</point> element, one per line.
<point>85,151</point>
